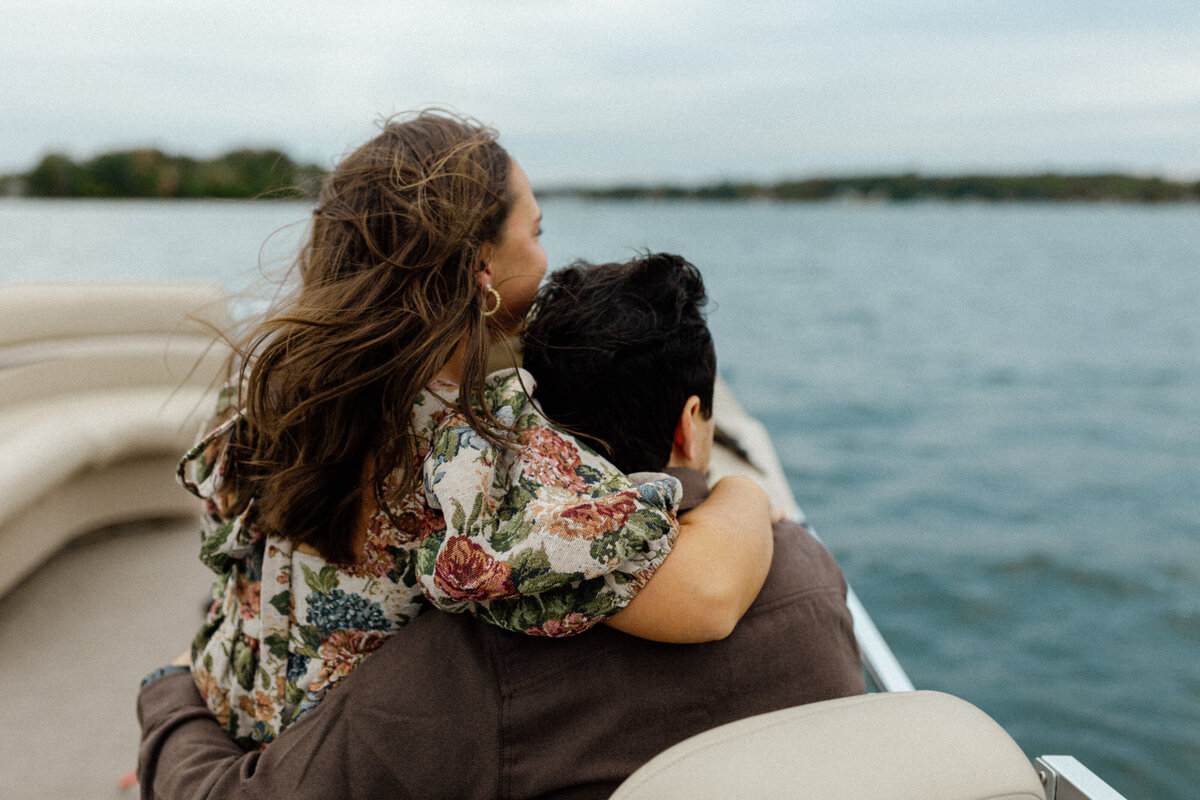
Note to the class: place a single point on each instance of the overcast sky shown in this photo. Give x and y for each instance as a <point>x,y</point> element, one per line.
<point>614,90</point>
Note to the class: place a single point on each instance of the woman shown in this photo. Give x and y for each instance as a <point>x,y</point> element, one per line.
<point>365,467</point>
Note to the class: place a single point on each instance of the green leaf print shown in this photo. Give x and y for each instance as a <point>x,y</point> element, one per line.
<point>402,569</point>
<point>232,727</point>
<point>517,498</point>
<point>277,644</point>
<point>590,598</point>
<point>632,541</point>
<point>510,534</point>
<point>426,554</point>
<point>592,477</point>
<point>322,582</point>
<point>531,573</point>
<point>650,523</point>
<point>458,518</point>
<point>476,507</point>
<point>511,526</point>
<point>517,615</point>
<point>293,695</point>
<point>446,446</point>
<point>205,635</point>
<point>608,547</point>
<point>211,543</point>
<point>245,664</point>
<point>282,602</point>
<point>307,640</point>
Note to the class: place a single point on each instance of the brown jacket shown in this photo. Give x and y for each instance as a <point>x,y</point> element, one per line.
<point>453,708</point>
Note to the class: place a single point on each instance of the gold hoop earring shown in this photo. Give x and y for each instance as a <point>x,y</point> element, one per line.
<point>491,293</point>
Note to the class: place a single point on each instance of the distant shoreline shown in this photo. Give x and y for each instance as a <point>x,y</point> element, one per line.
<point>908,187</point>
<point>271,174</point>
<point>153,174</point>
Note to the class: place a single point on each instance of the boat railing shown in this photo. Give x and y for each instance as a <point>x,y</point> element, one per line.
<point>745,443</point>
<point>1065,778</point>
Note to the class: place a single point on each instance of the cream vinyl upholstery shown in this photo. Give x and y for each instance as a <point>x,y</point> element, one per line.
<point>102,388</point>
<point>889,746</point>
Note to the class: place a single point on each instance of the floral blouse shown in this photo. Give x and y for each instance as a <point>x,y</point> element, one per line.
<point>546,538</point>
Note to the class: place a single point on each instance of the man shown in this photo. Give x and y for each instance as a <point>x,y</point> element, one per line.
<point>449,707</point>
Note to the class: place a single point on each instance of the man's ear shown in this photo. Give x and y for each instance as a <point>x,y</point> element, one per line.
<point>683,447</point>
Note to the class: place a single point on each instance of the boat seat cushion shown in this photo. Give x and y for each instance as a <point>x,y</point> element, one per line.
<point>890,746</point>
<point>73,463</point>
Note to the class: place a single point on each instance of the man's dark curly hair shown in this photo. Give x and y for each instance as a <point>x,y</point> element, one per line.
<point>617,349</point>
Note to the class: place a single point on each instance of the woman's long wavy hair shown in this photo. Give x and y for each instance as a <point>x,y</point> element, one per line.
<point>388,290</point>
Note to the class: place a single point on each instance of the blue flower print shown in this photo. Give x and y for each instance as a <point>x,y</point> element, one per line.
<point>339,611</point>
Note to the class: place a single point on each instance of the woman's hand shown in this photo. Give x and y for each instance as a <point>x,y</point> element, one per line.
<point>712,574</point>
<point>184,659</point>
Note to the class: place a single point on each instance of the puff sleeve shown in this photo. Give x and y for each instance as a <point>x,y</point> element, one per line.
<point>544,536</point>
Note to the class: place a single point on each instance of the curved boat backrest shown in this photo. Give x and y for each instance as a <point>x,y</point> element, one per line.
<point>891,746</point>
<point>41,312</point>
<point>61,338</point>
<point>102,388</point>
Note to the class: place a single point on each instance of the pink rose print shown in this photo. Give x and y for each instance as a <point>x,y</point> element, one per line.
<point>466,572</point>
<point>551,461</point>
<point>569,625</point>
<point>249,594</point>
<point>342,651</point>
<point>593,519</point>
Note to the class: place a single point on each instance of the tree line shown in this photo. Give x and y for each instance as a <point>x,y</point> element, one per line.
<point>153,173</point>
<point>273,174</point>
<point>1048,186</point>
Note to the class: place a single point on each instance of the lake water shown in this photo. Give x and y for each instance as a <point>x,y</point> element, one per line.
<point>991,413</point>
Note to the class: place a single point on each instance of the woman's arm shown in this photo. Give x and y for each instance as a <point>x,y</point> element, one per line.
<point>543,537</point>
<point>712,574</point>
<point>548,538</point>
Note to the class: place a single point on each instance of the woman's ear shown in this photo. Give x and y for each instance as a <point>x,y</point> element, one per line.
<point>484,267</point>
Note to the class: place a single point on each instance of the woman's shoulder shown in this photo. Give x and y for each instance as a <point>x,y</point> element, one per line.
<point>509,393</point>
<point>511,379</point>
<point>512,387</point>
